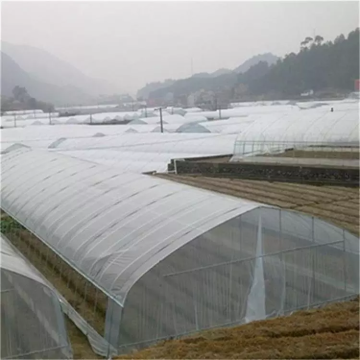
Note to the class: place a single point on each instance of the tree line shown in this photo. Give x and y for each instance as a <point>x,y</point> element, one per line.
<point>21,100</point>
<point>319,65</point>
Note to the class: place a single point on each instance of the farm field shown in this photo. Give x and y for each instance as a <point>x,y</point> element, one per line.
<point>339,205</point>
<point>331,332</point>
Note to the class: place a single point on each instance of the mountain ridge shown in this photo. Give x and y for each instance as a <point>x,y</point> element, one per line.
<point>45,67</point>
<point>13,75</point>
<point>219,74</point>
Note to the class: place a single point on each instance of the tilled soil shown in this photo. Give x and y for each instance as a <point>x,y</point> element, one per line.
<point>338,205</point>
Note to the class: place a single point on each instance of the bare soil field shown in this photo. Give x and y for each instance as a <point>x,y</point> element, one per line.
<point>331,332</point>
<point>339,205</point>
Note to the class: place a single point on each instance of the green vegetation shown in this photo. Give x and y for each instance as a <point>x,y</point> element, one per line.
<point>8,224</point>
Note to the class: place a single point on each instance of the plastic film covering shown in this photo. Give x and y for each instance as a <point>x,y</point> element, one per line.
<point>175,259</point>
<point>103,221</point>
<point>304,127</point>
<point>212,144</point>
<point>32,322</point>
<point>262,263</point>
<point>137,162</point>
<point>146,152</point>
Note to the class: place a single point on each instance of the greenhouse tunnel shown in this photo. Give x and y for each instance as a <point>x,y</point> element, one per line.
<point>173,259</point>
<point>32,322</point>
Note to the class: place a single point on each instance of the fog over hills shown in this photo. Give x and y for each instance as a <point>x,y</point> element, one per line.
<point>12,75</point>
<point>45,67</point>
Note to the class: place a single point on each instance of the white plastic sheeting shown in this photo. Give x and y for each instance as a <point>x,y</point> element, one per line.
<point>249,110</point>
<point>167,119</point>
<point>306,127</point>
<point>32,323</point>
<point>192,110</point>
<point>23,112</point>
<point>145,152</point>
<point>135,161</point>
<point>12,261</point>
<point>87,107</point>
<point>211,144</point>
<point>192,128</point>
<point>61,184</point>
<point>175,259</point>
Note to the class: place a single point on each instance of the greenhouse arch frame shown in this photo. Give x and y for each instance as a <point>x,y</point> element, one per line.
<point>173,259</point>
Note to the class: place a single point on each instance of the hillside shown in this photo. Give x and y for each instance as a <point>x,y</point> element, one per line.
<point>216,73</point>
<point>317,66</point>
<point>12,74</point>
<point>153,86</point>
<point>269,58</point>
<point>193,84</point>
<point>45,67</point>
<point>329,68</point>
<point>203,80</point>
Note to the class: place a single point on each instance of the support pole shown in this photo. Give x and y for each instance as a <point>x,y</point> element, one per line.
<point>161,121</point>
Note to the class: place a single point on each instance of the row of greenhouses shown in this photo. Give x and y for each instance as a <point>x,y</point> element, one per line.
<point>160,259</point>
<point>166,259</point>
<point>146,149</point>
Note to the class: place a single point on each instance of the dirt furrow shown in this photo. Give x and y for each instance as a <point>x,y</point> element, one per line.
<point>341,209</point>
<point>240,189</point>
<point>296,190</point>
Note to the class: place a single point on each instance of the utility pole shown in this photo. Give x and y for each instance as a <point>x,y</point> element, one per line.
<point>49,117</point>
<point>14,119</point>
<point>161,121</point>
<point>90,118</point>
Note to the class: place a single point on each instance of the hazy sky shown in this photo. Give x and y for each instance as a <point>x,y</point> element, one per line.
<point>131,43</point>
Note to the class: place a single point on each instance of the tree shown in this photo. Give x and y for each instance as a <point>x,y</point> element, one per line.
<point>322,66</point>
<point>20,93</point>
<point>318,40</point>
<point>339,39</point>
<point>306,42</point>
<point>21,100</point>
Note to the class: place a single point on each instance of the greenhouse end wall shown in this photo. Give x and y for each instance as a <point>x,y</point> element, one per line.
<point>266,262</point>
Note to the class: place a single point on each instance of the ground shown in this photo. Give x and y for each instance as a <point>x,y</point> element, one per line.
<point>339,205</point>
<point>331,332</point>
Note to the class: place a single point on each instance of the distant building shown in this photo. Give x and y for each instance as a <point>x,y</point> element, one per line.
<point>307,93</point>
